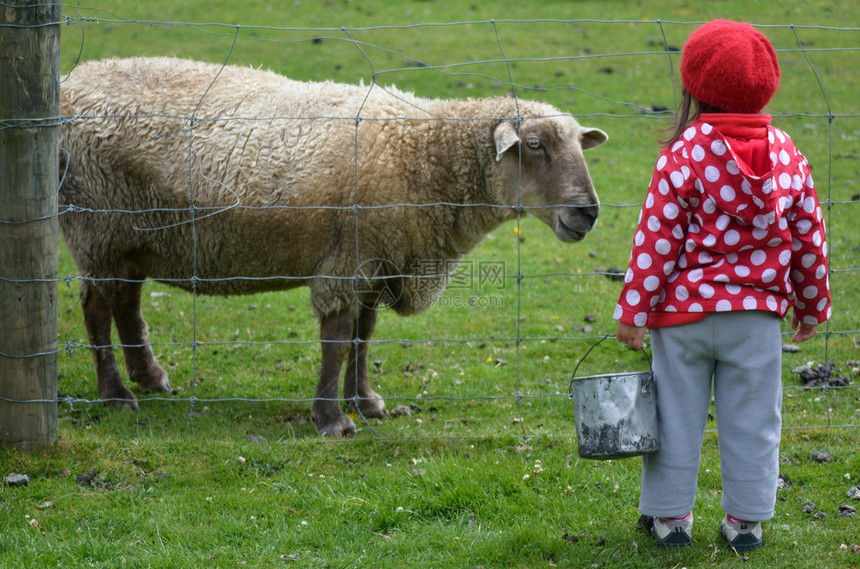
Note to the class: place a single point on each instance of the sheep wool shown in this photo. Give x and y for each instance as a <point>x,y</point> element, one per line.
<point>232,180</point>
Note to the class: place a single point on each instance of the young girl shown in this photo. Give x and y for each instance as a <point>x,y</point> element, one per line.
<point>730,237</point>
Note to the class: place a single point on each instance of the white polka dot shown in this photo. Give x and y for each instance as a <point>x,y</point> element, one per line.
<point>668,267</point>
<point>690,133</point>
<point>785,180</point>
<point>733,288</point>
<point>784,158</point>
<point>651,283</point>
<point>758,257</point>
<point>810,320</point>
<point>639,238</point>
<point>775,242</point>
<point>618,312</point>
<point>750,303</point>
<point>671,211</point>
<point>784,258</point>
<point>808,204</point>
<point>816,239</point>
<point>640,319</point>
<point>709,206</point>
<point>821,304</point>
<point>724,306</point>
<point>712,174</point>
<point>771,303</point>
<point>723,222</point>
<point>809,182</point>
<point>649,201</point>
<point>742,271</point>
<point>808,260</point>
<point>760,221</point>
<point>732,168</point>
<point>718,148</point>
<point>632,297</point>
<point>759,234</point>
<point>643,261</point>
<point>706,290</point>
<point>628,276</point>
<point>706,128</point>
<point>698,153</point>
<point>810,292</point>
<point>661,162</point>
<point>678,232</point>
<point>654,223</point>
<point>681,293</point>
<point>732,258</point>
<point>695,307</point>
<point>796,183</point>
<point>727,193</point>
<point>768,275</point>
<point>679,144</point>
<point>663,246</point>
<point>705,259</point>
<point>820,272</point>
<point>663,186</point>
<point>696,275</point>
<point>709,241</point>
<point>783,306</point>
<point>731,237</point>
<point>677,179</point>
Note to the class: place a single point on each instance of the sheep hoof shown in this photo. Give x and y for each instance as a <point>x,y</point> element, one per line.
<point>372,407</point>
<point>341,427</point>
<point>125,401</point>
<point>156,381</point>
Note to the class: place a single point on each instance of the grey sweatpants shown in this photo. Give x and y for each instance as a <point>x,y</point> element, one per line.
<point>741,353</point>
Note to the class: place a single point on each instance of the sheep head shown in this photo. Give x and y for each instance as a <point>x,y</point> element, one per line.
<point>546,172</point>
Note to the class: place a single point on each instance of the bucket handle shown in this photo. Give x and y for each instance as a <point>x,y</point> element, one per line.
<point>646,387</point>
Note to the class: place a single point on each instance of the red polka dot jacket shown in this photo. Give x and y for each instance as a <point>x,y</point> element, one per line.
<point>713,236</point>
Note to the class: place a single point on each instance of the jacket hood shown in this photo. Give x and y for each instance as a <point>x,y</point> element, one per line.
<point>720,174</point>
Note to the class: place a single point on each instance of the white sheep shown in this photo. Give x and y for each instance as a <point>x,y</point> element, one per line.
<point>236,180</point>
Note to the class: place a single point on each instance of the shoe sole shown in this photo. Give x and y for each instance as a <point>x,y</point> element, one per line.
<point>741,547</point>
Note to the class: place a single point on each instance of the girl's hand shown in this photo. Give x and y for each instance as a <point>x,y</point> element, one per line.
<point>630,335</point>
<point>804,331</point>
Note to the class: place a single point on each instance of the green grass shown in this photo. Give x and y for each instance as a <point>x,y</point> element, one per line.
<point>484,472</point>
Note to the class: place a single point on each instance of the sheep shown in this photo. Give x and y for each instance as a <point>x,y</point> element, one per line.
<point>229,180</point>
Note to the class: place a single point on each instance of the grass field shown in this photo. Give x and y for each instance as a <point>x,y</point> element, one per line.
<point>228,472</point>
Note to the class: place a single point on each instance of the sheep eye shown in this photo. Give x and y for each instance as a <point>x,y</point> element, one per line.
<point>533,142</point>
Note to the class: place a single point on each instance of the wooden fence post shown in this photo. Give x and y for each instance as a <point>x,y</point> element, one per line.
<point>29,107</point>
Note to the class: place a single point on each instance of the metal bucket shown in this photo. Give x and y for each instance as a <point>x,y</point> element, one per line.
<point>616,414</point>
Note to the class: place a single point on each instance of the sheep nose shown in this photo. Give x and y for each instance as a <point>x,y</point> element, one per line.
<point>590,213</point>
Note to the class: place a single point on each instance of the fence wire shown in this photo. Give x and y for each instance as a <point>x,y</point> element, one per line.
<point>507,81</point>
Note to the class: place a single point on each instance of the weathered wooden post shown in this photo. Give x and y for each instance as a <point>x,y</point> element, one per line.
<point>29,107</point>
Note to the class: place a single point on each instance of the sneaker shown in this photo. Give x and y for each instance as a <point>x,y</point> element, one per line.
<point>673,532</point>
<point>741,535</point>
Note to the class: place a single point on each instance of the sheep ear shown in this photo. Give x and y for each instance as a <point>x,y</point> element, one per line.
<point>592,137</point>
<point>505,136</point>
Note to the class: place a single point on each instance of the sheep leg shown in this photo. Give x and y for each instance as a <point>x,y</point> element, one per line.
<point>336,333</point>
<point>139,359</point>
<point>355,383</point>
<point>97,319</point>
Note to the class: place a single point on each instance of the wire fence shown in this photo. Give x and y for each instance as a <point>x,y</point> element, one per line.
<point>501,68</point>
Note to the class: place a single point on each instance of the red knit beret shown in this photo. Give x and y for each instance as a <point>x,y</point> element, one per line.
<point>730,66</point>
